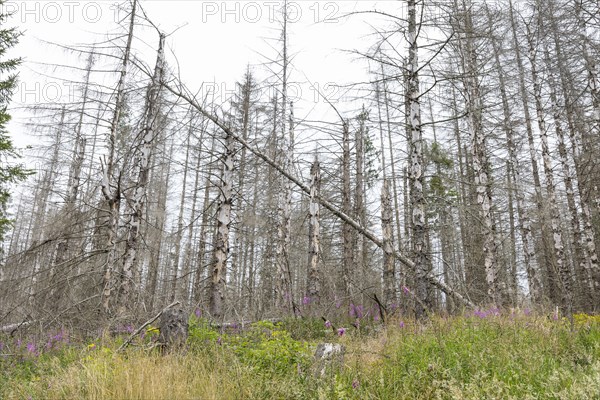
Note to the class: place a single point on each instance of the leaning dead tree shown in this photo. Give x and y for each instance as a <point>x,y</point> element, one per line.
<point>180,91</point>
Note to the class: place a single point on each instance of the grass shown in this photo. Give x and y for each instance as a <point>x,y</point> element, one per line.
<point>480,356</point>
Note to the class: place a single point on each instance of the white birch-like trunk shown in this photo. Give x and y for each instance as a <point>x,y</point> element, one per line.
<point>480,159</point>
<point>416,173</point>
<point>221,250</point>
<point>110,187</point>
<point>561,267</point>
<point>138,202</point>
<point>314,235</point>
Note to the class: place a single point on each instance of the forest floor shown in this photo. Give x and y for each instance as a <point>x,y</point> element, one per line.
<point>481,355</point>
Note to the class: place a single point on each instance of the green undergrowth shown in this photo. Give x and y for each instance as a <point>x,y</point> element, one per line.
<point>479,356</point>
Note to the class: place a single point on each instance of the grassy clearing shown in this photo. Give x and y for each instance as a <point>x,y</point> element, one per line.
<point>481,356</point>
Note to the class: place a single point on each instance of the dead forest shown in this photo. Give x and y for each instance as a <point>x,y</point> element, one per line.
<point>463,173</point>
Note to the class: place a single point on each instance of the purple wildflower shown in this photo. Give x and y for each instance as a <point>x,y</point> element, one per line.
<point>198,313</point>
<point>327,324</point>
<point>359,311</point>
<point>402,324</point>
<point>219,342</point>
<point>129,329</point>
<point>306,300</point>
<point>527,311</point>
<point>480,314</point>
<point>59,337</point>
<point>405,290</point>
<point>31,348</point>
<point>341,331</point>
<point>494,311</point>
<point>355,384</point>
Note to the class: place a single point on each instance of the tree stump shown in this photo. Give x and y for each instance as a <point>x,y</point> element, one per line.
<point>173,328</point>
<point>329,358</point>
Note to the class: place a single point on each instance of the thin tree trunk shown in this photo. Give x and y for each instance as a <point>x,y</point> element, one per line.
<point>313,290</point>
<point>221,250</point>
<point>176,255</point>
<point>389,271</point>
<point>348,265</point>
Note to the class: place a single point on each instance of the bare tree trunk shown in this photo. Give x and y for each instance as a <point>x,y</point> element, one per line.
<point>359,196</point>
<point>389,270</point>
<point>480,158</point>
<point>415,141</point>
<point>285,297</point>
<point>348,265</point>
<point>314,235</point>
<point>188,263</point>
<point>578,244</point>
<point>176,255</point>
<point>560,267</point>
<point>199,285</point>
<point>221,250</point>
<point>157,216</point>
<point>594,88</point>
<point>111,190</point>
<point>246,92</point>
<point>147,137</point>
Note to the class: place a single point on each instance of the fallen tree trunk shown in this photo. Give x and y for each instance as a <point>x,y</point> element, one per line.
<point>180,92</point>
<point>13,327</point>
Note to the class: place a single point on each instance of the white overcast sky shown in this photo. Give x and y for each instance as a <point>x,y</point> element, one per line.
<point>213,40</point>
